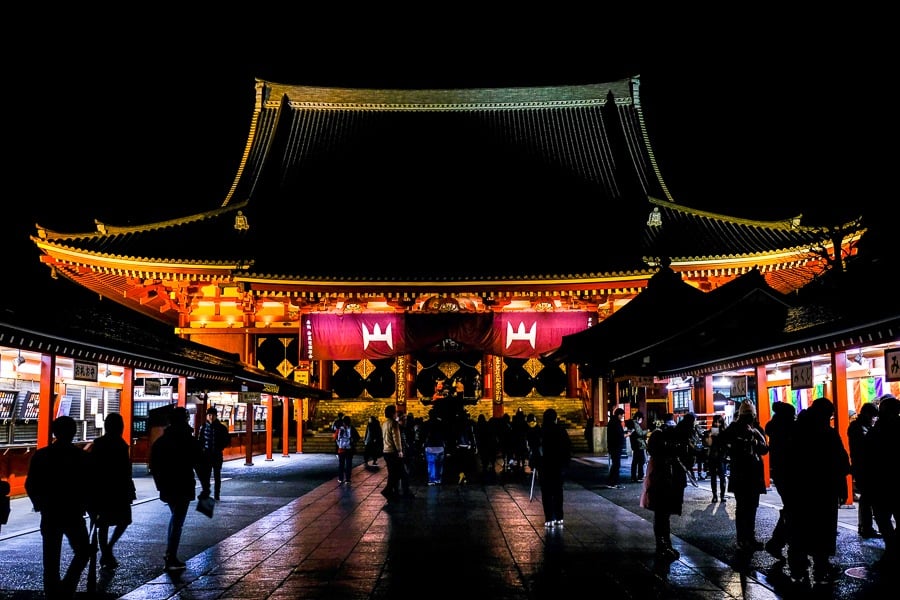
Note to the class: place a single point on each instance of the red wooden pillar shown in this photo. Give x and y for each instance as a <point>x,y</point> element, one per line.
<point>248,435</point>
<point>301,416</point>
<point>126,405</point>
<point>269,403</point>
<point>47,402</point>
<point>763,411</point>
<point>841,400</point>
<point>285,424</point>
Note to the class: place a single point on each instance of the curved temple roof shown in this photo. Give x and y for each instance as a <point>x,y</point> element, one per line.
<point>391,190</point>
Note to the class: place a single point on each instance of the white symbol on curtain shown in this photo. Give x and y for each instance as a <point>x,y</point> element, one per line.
<point>521,334</point>
<point>376,336</point>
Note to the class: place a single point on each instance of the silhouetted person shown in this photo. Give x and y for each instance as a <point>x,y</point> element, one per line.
<point>5,507</point>
<point>113,487</point>
<point>435,448</point>
<point>779,430</point>
<point>856,433</point>
<point>746,443</point>
<point>553,457</point>
<point>373,444</point>
<point>214,438</point>
<point>173,458</point>
<point>716,459</point>
<point>638,439</point>
<point>670,450</point>
<point>346,437</point>
<point>392,450</point>
<point>882,447</point>
<point>486,438</point>
<point>615,444</point>
<point>57,484</point>
<point>818,466</point>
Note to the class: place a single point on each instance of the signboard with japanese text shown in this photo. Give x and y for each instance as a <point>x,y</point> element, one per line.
<point>85,371</point>
<point>892,365</point>
<point>801,376</point>
<point>251,397</point>
<point>7,403</point>
<point>30,406</point>
<point>164,392</point>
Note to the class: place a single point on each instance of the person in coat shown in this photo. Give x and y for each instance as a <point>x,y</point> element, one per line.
<point>638,439</point>
<point>56,484</point>
<point>615,444</point>
<point>214,439</point>
<point>671,450</point>
<point>856,433</point>
<point>817,470</point>
<point>174,456</point>
<point>113,487</point>
<point>372,442</point>
<point>745,443</point>
<point>882,447</point>
<point>553,457</point>
<point>779,430</point>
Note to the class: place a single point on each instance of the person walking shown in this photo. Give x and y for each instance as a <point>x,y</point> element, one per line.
<point>56,484</point>
<point>615,444</point>
<point>346,437</point>
<point>670,450</point>
<point>553,456</point>
<point>882,447</point>
<point>716,459</point>
<point>392,450</point>
<point>173,458</point>
<point>372,442</point>
<point>214,438</point>
<point>745,442</point>
<point>435,448</point>
<point>113,487</point>
<point>463,450</point>
<point>638,439</point>
<point>779,430</point>
<point>817,469</point>
<point>856,433</point>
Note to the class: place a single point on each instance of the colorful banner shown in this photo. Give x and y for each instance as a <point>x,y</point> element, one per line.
<point>326,336</point>
<point>530,334</point>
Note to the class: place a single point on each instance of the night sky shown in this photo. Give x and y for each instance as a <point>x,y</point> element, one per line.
<point>757,117</point>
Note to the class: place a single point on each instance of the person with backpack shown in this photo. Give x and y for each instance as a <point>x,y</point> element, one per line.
<point>345,437</point>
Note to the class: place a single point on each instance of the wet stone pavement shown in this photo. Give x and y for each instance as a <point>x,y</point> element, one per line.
<point>285,529</point>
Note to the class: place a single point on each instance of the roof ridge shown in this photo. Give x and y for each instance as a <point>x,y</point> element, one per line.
<point>791,223</point>
<point>421,97</point>
<point>104,229</point>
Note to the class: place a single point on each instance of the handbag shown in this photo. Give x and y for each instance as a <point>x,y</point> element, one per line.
<point>206,505</point>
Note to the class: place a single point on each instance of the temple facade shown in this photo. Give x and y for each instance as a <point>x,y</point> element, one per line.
<point>374,242</point>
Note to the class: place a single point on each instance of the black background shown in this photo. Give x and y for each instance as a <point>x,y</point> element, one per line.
<point>763,115</point>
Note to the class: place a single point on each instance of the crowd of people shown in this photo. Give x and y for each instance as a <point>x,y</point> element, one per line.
<point>448,445</point>
<point>68,482</point>
<point>811,489</point>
